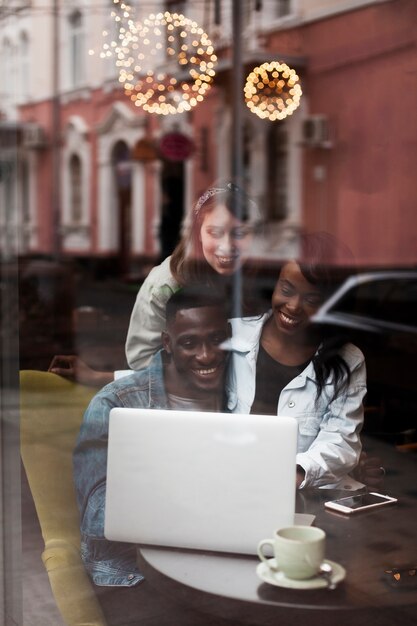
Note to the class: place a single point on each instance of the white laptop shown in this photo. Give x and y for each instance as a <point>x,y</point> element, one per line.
<point>212,481</point>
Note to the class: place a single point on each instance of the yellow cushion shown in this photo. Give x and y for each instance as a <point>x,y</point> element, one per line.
<point>51,411</point>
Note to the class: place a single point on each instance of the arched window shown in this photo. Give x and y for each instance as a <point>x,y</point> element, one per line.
<point>175,6</point>
<point>122,165</point>
<point>75,176</point>
<point>6,62</point>
<point>76,48</point>
<point>283,8</point>
<point>24,73</point>
<point>25,196</point>
<point>277,173</point>
<point>122,168</point>
<point>111,37</point>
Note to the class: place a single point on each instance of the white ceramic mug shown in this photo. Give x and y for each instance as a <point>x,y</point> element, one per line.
<point>298,551</point>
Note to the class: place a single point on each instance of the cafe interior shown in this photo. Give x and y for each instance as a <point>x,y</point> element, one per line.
<point>250,517</point>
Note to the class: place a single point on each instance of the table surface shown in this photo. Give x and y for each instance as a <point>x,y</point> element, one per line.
<point>366,544</point>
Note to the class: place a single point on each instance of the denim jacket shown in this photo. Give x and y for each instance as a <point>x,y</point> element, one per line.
<point>109,562</point>
<point>329,444</point>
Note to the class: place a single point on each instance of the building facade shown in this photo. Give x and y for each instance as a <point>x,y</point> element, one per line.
<point>88,178</point>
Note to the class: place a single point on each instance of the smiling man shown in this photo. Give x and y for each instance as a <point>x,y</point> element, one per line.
<point>195,363</point>
<point>188,373</point>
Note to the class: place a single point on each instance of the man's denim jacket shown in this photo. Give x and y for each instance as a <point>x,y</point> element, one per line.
<point>109,562</point>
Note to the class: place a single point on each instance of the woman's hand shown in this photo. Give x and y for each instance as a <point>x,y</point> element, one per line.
<point>300,475</point>
<point>370,471</point>
<point>74,368</point>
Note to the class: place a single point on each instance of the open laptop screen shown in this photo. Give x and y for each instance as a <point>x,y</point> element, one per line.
<point>213,481</point>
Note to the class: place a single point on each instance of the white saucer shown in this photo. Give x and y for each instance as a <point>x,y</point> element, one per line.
<point>278,579</point>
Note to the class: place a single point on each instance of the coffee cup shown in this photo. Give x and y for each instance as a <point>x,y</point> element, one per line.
<point>298,551</point>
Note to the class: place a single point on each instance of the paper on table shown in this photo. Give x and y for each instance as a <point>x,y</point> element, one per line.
<point>304,519</point>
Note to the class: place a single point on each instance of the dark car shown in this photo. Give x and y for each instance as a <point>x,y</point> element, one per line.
<point>382,302</point>
<point>378,311</point>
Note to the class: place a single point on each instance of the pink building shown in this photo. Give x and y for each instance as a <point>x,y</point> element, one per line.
<point>343,162</point>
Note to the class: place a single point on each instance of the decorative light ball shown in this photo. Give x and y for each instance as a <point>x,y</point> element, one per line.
<point>188,50</point>
<point>272,91</point>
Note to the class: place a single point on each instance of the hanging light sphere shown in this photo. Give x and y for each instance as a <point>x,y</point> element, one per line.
<point>157,40</point>
<point>272,91</point>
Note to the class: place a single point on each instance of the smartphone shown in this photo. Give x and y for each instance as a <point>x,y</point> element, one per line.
<point>362,502</point>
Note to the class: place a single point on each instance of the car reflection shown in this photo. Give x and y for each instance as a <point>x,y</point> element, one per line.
<point>383,302</point>
<point>378,312</point>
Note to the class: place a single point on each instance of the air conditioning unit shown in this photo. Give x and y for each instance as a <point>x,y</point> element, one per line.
<point>33,136</point>
<point>316,132</point>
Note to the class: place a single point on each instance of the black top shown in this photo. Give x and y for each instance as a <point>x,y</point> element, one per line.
<point>271,378</point>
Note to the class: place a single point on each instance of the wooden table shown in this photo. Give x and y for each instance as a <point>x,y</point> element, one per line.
<point>366,544</point>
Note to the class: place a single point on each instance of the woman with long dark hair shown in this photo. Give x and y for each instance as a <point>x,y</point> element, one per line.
<point>282,365</point>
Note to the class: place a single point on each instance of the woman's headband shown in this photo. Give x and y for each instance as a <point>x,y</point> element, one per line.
<point>229,188</point>
<point>212,191</point>
<point>206,195</point>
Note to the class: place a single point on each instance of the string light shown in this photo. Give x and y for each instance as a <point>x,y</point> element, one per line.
<point>272,91</point>
<point>120,14</point>
<point>189,49</point>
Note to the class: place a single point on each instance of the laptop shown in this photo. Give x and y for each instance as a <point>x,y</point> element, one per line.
<point>199,480</point>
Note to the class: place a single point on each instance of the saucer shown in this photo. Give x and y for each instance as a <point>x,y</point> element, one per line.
<point>278,579</point>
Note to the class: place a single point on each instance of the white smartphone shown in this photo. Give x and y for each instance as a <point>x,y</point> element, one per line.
<point>362,502</point>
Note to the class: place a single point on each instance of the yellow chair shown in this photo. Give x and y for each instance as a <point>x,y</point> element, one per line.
<point>51,413</point>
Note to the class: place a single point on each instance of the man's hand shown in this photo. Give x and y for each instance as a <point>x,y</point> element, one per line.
<point>74,368</point>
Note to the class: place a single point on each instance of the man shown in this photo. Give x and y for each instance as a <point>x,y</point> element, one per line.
<point>188,373</point>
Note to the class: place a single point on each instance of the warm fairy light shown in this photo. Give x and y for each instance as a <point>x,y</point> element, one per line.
<point>185,42</point>
<point>157,40</point>
<point>272,91</point>
<point>120,13</point>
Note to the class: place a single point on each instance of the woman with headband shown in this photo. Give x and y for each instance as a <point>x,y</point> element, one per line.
<point>214,247</point>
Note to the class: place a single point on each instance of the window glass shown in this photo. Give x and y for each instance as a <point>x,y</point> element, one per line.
<point>76,188</point>
<point>283,8</point>
<point>270,162</point>
<point>10,536</point>
<point>76,51</point>
<point>277,142</point>
<point>24,69</point>
<point>174,40</point>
